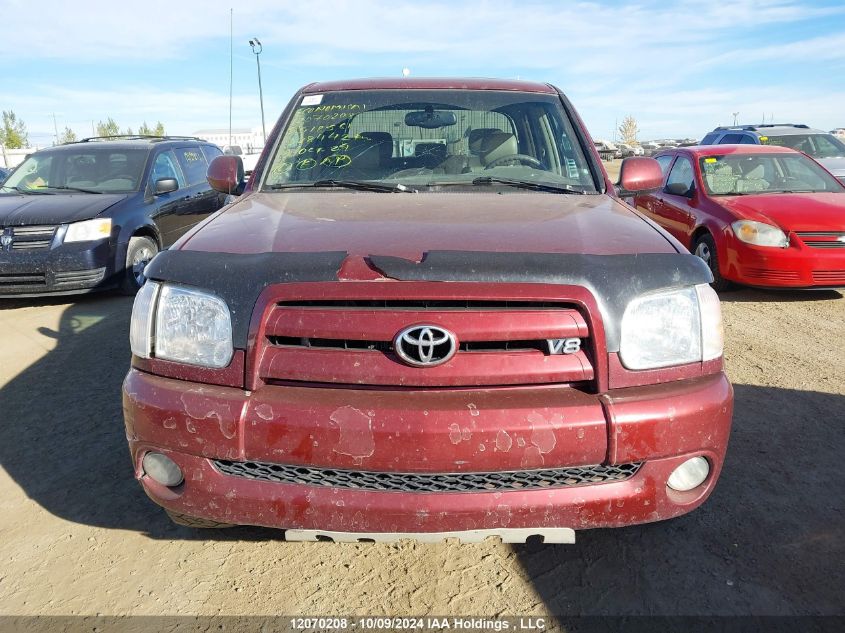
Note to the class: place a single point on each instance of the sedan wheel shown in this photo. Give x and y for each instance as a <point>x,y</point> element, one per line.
<point>705,248</point>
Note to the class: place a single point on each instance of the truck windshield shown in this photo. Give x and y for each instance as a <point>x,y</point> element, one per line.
<point>82,169</point>
<point>429,138</point>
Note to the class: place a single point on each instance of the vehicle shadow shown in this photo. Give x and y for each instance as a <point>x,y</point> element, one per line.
<point>769,541</point>
<point>740,294</point>
<point>62,438</point>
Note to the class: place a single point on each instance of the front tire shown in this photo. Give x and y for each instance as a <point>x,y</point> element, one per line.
<point>705,249</point>
<point>138,254</point>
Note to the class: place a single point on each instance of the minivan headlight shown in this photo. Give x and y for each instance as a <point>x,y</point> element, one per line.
<point>673,327</point>
<point>759,234</point>
<point>181,324</point>
<point>88,230</point>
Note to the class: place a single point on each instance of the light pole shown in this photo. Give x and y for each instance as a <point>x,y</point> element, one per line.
<point>736,114</point>
<point>256,49</point>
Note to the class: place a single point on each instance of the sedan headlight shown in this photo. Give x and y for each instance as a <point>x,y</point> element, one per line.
<point>674,327</point>
<point>89,230</point>
<point>759,234</point>
<point>182,325</point>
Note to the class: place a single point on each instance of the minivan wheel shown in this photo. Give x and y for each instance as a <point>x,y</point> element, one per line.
<point>195,522</point>
<point>138,254</point>
<point>705,248</point>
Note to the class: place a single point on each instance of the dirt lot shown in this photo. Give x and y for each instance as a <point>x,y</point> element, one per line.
<point>79,536</point>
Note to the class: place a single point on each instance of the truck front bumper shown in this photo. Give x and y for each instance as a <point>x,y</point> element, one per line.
<point>330,445</point>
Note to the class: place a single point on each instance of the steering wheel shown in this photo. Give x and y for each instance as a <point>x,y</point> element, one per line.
<point>523,158</point>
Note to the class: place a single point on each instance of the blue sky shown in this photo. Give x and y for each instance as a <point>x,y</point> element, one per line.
<point>679,68</point>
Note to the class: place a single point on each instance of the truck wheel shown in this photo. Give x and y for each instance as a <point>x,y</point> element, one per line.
<point>195,522</point>
<point>138,254</point>
<point>705,248</point>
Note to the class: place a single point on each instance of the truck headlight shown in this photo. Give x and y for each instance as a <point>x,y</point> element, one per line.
<point>674,327</point>
<point>759,234</point>
<point>182,325</point>
<point>88,230</point>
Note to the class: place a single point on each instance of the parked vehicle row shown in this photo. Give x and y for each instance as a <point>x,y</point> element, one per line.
<point>428,313</point>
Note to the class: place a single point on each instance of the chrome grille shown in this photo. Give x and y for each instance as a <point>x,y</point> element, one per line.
<point>429,482</point>
<point>31,237</point>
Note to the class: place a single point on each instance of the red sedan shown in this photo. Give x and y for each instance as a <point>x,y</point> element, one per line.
<point>758,215</point>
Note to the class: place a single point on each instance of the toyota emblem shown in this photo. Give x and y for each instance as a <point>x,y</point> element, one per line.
<point>425,345</point>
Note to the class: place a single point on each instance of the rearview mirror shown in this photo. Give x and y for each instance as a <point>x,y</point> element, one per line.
<point>430,119</point>
<point>165,185</point>
<point>226,175</point>
<point>639,175</point>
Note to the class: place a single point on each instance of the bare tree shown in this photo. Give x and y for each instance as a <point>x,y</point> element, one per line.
<point>629,130</point>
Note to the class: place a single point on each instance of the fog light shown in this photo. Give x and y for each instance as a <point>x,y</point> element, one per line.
<point>163,469</point>
<point>690,474</point>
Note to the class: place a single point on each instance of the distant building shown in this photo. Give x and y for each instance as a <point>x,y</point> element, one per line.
<point>248,139</point>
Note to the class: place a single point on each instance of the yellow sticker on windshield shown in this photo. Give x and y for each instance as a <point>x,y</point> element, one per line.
<point>709,160</point>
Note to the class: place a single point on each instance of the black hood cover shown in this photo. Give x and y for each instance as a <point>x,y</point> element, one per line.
<point>614,280</point>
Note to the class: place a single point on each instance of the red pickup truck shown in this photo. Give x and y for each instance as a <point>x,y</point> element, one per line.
<point>428,314</point>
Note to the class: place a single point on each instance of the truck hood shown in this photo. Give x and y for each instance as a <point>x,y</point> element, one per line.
<point>791,211</point>
<point>19,210</point>
<point>409,225</point>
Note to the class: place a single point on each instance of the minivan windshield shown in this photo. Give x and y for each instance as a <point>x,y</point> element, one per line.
<point>740,174</point>
<point>82,169</point>
<point>816,145</point>
<point>430,139</point>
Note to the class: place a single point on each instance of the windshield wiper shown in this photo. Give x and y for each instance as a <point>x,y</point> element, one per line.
<point>31,192</point>
<point>527,184</point>
<point>358,185</point>
<point>79,189</point>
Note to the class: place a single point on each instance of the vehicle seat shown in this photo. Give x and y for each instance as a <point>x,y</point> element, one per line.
<point>497,145</point>
<point>474,141</point>
<point>753,181</point>
<point>721,179</point>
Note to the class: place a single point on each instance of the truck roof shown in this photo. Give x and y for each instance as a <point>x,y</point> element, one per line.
<point>429,83</point>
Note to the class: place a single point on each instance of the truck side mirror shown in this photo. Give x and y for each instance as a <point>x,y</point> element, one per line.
<point>639,175</point>
<point>226,175</point>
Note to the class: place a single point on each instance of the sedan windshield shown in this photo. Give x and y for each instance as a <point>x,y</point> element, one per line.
<point>737,174</point>
<point>430,139</point>
<point>82,170</point>
<point>816,145</point>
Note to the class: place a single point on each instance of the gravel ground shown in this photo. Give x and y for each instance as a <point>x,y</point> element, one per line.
<point>79,536</point>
